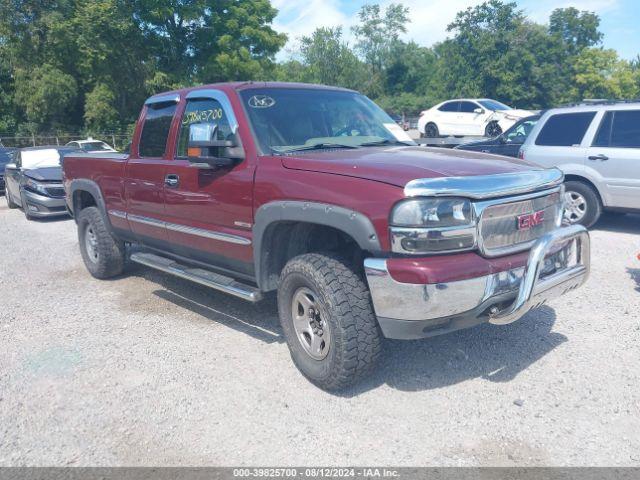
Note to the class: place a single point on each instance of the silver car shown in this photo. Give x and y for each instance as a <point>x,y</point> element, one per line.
<point>597,146</point>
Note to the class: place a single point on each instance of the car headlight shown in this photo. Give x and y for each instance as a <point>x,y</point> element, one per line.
<point>433,225</point>
<point>34,186</point>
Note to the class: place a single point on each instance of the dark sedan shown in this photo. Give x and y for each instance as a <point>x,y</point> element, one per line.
<point>508,143</point>
<point>34,181</point>
<point>6,156</point>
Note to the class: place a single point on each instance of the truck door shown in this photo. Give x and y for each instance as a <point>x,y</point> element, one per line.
<point>615,155</point>
<point>209,211</point>
<point>146,170</point>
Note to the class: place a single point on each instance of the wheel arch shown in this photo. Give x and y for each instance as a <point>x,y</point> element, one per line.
<point>572,177</point>
<point>306,227</point>
<point>86,193</point>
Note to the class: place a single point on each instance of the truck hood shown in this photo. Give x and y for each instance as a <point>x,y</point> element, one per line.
<point>399,165</point>
<point>48,174</point>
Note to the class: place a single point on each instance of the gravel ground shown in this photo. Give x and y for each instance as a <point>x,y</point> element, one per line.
<point>151,370</point>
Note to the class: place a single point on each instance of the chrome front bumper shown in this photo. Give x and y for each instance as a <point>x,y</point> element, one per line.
<point>558,263</point>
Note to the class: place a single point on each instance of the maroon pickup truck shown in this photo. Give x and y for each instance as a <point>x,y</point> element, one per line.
<point>315,192</point>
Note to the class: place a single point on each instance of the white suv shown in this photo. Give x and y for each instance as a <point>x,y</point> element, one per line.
<point>469,116</point>
<point>597,146</point>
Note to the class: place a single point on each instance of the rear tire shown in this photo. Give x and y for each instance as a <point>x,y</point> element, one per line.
<point>431,130</point>
<point>582,204</point>
<point>102,253</point>
<point>10,203</point>
<point>318,295</point>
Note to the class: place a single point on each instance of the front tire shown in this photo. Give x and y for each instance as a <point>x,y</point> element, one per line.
<point>582,204</point>
<point>102,253</point>
<point>10,203</point>
<point>328,321</point>
<point>492,130</point>
<point>25,208</point>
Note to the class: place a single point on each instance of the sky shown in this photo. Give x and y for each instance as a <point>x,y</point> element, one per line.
<point>619,18</point>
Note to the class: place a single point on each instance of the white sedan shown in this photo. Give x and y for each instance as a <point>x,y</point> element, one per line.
<point>91,146</point>
<point>466,116</point>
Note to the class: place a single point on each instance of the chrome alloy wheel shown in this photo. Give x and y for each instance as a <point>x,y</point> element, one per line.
<point>91,243</point>
<point>310,324</point>
<point>575,207</point>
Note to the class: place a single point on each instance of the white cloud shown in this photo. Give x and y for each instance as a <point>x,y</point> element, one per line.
<point>543,8</point>
<point>301,17</point>
<point>429,18</point>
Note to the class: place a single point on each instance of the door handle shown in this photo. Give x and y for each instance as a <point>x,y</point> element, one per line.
<point>172,180</point>
<point>599,157</point>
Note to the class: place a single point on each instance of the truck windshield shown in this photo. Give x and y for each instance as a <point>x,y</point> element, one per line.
<point>287,120</point>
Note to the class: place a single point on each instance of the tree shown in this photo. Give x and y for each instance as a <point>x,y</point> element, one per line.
<point>600,73</point>
<point>577,30</point>
<point>100,114</point>
<point>204,41</point>
<point>376,34</point>
<point>47,95</point>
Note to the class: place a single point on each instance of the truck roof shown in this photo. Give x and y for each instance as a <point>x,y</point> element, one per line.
<point>238,86</point>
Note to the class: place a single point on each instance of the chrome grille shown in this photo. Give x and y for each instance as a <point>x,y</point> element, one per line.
<point>499,225</point>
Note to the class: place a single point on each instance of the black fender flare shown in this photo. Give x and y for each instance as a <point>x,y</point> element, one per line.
<point>82,184</point>
<point>355,224</point>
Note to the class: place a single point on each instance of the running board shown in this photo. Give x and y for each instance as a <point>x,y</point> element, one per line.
<point>199,275</point>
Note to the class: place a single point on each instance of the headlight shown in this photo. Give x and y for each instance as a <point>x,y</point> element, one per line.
<point>433,225</point>
<point>36,187</point>
<point>432,212</point>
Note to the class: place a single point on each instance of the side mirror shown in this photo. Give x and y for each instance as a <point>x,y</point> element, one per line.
<point>11,166</point>
<point>206,151</point>
<point>479,111</point>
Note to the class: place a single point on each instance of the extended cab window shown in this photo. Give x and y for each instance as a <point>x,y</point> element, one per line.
<point>203,111</point>
<point>565,129</point>
<point>619,129</point>
<point>155,130</point>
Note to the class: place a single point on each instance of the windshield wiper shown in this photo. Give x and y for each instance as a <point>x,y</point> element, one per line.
<point>317,146</point>
<point>385,142</point>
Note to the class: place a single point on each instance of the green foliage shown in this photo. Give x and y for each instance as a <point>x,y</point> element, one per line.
<point>577,30</point>
<point>89,64</point>
<point>600,73</point>
<point>100,114</point>
<point>47,95</point>
<point>59,56</point>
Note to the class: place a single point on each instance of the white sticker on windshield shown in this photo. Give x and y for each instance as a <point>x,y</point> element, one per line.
<point>398,132</point>
<point>261,101</point>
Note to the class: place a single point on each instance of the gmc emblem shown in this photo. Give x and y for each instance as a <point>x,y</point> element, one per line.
<point>530,220</point>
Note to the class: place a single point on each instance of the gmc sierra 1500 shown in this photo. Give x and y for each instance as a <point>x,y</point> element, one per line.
<point>316,193</point>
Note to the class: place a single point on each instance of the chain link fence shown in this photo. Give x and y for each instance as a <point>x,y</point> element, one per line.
<point>116,140</point>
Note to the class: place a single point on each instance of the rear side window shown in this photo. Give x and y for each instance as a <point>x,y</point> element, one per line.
<point>626,129</point>
<point>603,137</point>
<point>155,130</point>
<point>449,107</point>
<point>565,129</point>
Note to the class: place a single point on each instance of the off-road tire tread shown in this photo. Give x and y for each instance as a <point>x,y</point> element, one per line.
<point>111,251</point>
<point>351,302</point>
